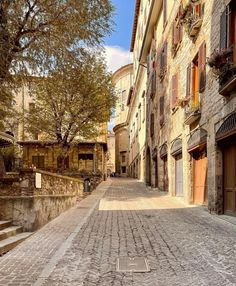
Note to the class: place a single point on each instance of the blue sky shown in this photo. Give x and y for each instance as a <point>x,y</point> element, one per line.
<point>118,44</point>
<point>123,19</point>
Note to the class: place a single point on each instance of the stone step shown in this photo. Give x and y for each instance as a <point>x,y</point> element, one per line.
<point>11,242</point>
<point>10,231</point>
<point>5,224</point>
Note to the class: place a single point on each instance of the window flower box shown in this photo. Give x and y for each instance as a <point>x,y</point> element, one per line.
<point>219,58</point>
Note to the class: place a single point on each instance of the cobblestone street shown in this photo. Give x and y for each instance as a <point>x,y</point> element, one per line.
<point>184,245</point>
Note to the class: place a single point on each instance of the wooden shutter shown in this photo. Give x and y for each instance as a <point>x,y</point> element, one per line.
<point>153,83</point>
<point>164,13</point>
<point>165,55</point>
<point>198,10</point>
<point>180,32</point>
<point>174,90</point>
<point>188,79</point>
<point>202,67</point>
<point>223,30</point>
<point>173,34</point>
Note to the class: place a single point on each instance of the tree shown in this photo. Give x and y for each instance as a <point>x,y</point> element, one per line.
<point>72,102</point>
<point>35,33</point>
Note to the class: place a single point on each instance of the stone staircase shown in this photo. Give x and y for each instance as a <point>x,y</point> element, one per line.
<point>11,236</point>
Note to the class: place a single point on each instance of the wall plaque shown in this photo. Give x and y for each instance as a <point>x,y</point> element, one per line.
<point>38,181</point>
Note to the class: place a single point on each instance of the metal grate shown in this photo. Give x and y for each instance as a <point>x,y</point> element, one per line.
<point>136,264</point>
<point>228,126</point>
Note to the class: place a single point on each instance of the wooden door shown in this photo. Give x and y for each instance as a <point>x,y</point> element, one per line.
<point>179,176</point>
<point>200,179</point>
<point>229,154</point>
<point>165,174</point>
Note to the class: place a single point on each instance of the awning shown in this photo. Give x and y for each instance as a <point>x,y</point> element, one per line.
<point>163,150</point>
<point>228,128</point>
<point>6,140</point>
<point>176,147</point>
<point>197,139</point>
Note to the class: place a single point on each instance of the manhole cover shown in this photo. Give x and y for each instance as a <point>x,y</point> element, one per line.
<point>137,264</point>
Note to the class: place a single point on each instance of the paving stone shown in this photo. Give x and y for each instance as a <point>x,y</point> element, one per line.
<point>183,245</point>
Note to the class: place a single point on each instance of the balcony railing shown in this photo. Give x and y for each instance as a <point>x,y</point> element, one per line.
<point>194,26</point>
<point>223,64</point>
<point>227,81</point>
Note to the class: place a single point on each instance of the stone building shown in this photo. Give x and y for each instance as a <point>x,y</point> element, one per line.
<point>85,157</point>
<point>110,152</point>
<point>188,49</point>
<point>122,80</point>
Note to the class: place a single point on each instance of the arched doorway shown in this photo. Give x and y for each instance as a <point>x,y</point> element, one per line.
<point>148,167</point>
<point>164,158</point>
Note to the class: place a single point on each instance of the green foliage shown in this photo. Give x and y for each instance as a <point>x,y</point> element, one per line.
<point>38,36</point>
<point>72,102</point>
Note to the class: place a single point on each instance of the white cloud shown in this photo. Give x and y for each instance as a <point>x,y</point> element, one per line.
<point>117,57</point>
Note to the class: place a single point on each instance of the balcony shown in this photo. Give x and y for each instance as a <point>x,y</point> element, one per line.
<point>223,64</point>
<point>227,81</point>
<point>194,26</point>
<point>192,114</point>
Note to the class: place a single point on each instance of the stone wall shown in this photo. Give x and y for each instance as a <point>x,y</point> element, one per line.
<point>35,197</point>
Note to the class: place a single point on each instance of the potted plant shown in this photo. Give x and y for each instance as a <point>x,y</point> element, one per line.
<point>219,58</point>
<point>182,102</point>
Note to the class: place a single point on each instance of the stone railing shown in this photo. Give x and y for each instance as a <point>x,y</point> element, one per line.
<point>32,198</point>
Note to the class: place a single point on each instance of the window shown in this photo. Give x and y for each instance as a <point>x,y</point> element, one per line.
<point>198,10</point>
<point>137,124</point>
<point>144,106</point>
<point>174,90</point>
<point>85,161</point>
<point>196,77</point>
<point>153,84</point>
<point>60,162</point>
<point>163,61</point>
<point>139,116</point>
<point>152,125</point>
<point>38,162</point>
<point>228,27</point>
<point>177,33</point>
<point>195,83</point>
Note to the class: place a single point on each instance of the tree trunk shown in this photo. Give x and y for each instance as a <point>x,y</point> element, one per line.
<point>64,154</point>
